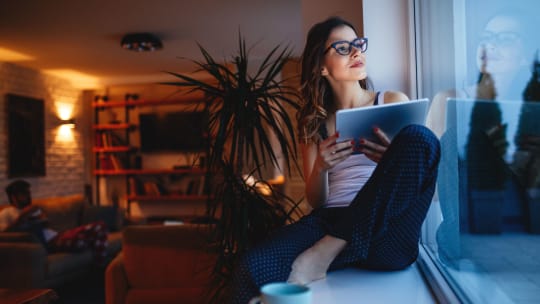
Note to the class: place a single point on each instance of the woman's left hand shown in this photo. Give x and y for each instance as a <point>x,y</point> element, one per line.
<point>372,150</point>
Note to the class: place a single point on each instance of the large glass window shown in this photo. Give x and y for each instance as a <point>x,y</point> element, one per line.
<point>478,63</point>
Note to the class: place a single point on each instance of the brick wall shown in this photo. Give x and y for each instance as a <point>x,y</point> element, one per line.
<point>65,160</point>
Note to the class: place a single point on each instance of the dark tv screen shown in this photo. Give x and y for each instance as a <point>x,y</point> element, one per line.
<point>173,131</point>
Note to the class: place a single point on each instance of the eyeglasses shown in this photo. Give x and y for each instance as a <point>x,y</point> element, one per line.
<point>501,39</point>
<point>344,47</point>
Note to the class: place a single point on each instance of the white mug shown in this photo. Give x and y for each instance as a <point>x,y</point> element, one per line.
<point>283,293</point>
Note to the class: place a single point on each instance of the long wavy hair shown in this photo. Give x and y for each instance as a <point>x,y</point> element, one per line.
<point>317,97</point>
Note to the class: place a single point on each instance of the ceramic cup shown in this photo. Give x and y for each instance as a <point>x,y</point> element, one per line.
<point>283,293</point>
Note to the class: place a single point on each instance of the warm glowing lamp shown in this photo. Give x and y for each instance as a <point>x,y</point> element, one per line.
<point>68,122</point>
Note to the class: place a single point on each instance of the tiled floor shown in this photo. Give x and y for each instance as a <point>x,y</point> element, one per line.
<point>362,286</point>
<point>510,261</point>
<point>498,268</point>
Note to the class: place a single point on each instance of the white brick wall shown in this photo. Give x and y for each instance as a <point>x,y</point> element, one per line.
<point>65,160</point>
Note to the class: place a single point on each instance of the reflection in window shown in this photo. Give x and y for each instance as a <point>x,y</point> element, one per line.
<point>484,224</point>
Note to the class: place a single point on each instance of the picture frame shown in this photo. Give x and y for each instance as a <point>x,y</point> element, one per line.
<point>26,136</point>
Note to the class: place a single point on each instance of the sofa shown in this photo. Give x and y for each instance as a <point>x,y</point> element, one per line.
<point>24,261</point>
<point>160,264</point>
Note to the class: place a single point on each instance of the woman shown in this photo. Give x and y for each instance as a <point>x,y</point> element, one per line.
<point>368,207</point>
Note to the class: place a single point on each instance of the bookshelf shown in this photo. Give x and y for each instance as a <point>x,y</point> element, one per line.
<point>173,185</point>
<point>115,157</point>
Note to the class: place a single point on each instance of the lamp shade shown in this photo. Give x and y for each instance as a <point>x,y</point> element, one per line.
<point>141,42</point>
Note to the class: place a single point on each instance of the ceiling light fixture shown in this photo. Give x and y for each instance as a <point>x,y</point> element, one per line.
<point>141,42</point>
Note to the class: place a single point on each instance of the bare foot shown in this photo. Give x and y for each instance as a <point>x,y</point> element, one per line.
<point>312,264</point>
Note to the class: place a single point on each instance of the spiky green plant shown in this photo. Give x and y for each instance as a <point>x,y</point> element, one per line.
<point>245,112</point>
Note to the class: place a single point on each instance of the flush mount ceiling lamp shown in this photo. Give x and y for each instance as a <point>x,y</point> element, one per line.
<point>141,42</point>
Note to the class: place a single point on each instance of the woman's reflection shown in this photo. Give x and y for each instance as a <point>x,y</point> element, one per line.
<point>505,47</point>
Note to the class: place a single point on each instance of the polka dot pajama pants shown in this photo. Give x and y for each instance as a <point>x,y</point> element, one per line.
<point>381,225</point>
<point>92,235</point>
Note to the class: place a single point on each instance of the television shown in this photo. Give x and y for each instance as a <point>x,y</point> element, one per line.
<point>173,131</point>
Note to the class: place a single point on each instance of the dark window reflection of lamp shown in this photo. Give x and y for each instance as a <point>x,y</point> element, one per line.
<point>68,122</point>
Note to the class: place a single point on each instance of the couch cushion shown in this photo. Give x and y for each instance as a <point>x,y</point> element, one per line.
<point>166,256</point>
<point>62,263</point>
<point>166,296</point>
<point>24,237</point>
<point>63,212</point>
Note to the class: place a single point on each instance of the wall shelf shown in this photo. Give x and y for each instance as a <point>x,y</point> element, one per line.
<point>168,197</point>
<point>138,103</point>
<point>149,171</point>
<point>113,149</point>
<point>117,126</point>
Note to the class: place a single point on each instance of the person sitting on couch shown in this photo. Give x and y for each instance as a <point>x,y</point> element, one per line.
<point>21,215</point>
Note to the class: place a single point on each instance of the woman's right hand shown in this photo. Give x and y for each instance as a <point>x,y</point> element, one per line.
<point>330,152</point>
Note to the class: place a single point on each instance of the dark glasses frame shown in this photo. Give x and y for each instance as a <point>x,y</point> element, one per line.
<point>360,44</point>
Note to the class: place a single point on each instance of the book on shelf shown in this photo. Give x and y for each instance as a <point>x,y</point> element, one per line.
<point>99,140</point>
<point>116,162</point>
<point>153,185</point>
<point>191,187</point>
<point>150,188</point>
<point>105,162</point>
<point>132,183</point>
<point>116,140</point>
<point>196,186</point>
<point>147,186</point>
<point>109,139</point>
<point>162,189</point>
<point>105,140</point>
<point>109,162</point>
<point>136,186</point>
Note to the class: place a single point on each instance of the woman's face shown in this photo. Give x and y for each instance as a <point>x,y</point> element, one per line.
<point>336,67</point>
<point>502,44</point>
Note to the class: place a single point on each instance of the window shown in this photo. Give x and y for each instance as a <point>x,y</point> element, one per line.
<point>475,60</point>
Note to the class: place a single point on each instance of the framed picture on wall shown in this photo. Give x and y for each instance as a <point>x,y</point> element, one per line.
<point>26,136</point>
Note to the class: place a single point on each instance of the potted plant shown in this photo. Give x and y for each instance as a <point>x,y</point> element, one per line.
<point>247,117</point>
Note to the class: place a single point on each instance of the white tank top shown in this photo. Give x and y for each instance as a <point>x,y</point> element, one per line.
<point>348,177</point>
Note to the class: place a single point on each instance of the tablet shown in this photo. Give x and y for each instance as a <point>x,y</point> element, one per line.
<point>391,118</point>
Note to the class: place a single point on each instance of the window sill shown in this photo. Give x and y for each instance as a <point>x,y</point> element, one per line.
<point>354,285</point>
